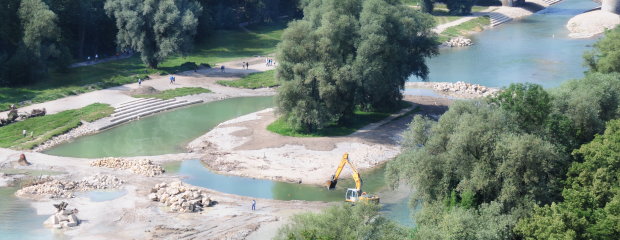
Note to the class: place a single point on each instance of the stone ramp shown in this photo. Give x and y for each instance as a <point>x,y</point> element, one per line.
<point>141,107</point>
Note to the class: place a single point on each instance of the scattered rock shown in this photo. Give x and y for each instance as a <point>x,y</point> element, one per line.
<point>143,166</point>
<point>63,218</point>
<point>465,88</point>
<point>180,198</point>
<point>22,160</point>
<point>56,188</point>
<point>458,42</point>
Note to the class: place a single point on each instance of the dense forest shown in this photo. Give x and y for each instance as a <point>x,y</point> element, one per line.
<point>40,36</point>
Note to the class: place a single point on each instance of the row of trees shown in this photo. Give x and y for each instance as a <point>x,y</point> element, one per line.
<point>349,54</point>
<point>39,36</point>
<point>455,7</point>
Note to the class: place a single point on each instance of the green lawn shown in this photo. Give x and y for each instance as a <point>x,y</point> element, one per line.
<point>253,80</point>
<point>474,25</point>
<point>221,46</point>
<point>48,126</point>
<point>172,93</point>
<point>360,120</point>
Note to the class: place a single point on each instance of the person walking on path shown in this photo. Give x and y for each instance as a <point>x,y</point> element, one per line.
<point>253,204</point>
<point>222,68</point>
<point>171,79</point>
<point>139,82</point>
<point>247,65</point>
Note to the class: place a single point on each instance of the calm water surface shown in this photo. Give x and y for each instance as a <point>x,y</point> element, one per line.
<point>536,49</point>
<point>162,133</point>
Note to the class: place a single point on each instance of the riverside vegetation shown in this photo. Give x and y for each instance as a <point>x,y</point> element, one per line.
<point>526,163</point>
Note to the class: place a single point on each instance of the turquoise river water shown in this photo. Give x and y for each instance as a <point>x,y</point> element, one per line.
<point>535,49</point>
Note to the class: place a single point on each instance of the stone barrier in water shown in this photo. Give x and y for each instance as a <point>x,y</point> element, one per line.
<point>180,198</point>
<point>465,88</point>
<point>57,188</point>
<point>142,166</point>
<point>458,42</point>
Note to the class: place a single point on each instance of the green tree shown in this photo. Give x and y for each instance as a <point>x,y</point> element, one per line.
<point>530,102</point>
<point>591,207</point>
<point>38,47</point>
<point>347,222</point>
<point>155,28</point>
<point>478,149</point>
<point>588,103</point>
<point>427,6</point>
<point>605,55</point>
<point>332,57</point>
<point>460,7</point>
<point>394,41</point>
<point>435,222</point>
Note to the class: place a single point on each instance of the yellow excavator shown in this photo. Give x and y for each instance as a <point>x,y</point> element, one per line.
<point>353,194</point>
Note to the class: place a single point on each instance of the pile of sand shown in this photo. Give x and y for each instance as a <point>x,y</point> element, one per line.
<point>588,24</point>
<point>143,90</point>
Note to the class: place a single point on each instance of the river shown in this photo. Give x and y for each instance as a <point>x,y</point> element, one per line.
<point>536,49</point>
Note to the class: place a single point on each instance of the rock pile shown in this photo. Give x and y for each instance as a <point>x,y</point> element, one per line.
<point>458,42</point>
<point>63,218</point>
<point>465,88</point>
<point>56,188</point>
<point>180,198</point>
<point>143,166</point>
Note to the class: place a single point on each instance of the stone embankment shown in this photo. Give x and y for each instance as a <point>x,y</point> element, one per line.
<point>458,42</point>
<point>84,129</point>
<point>58,188</point>
<point>142,166</point>
<point>180,198</point>
<point>462,88</point>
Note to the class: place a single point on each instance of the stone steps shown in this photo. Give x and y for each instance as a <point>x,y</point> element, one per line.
<point>145,108</point>
<point>497,18</point>
<point>136,104</point>
<point>141,106</point>
<point>137,110</point>
<point>551,2</point>
<point>132,102</point>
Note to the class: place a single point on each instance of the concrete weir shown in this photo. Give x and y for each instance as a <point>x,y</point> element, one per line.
<point>612,6</point>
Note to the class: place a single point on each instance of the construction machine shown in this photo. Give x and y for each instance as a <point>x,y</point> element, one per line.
<point>352,194</point>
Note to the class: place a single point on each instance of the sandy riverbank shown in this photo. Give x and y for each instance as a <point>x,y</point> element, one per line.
<point>134,216</point>
<point>244,147</point>
<point>590,24</point>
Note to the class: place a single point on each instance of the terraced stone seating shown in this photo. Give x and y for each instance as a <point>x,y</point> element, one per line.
<point>141,107</point>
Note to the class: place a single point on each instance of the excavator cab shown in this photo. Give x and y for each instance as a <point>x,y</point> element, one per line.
<point>352,194</point>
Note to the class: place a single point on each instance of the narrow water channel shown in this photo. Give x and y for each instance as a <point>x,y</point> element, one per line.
<point>161,133</point>
<point>536,49</point>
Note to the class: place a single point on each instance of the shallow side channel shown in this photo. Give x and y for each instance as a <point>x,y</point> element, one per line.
<point>163,133</point>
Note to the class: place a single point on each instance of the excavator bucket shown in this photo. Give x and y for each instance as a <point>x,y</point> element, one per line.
<point>331,184</point>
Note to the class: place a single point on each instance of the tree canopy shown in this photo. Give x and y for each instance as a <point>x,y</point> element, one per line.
<point>605,55</point>
<point>512,153</point>
<point>345,221</point>
<point>591,206</point>
<point>348,54</point>
<point>156,28</point>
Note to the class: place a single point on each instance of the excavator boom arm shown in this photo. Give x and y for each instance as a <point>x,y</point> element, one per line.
<point>331,184</point>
